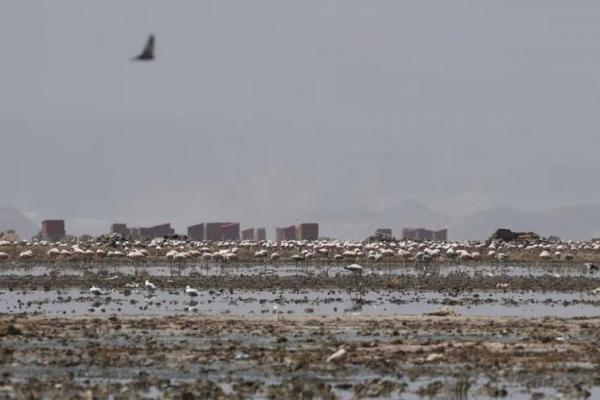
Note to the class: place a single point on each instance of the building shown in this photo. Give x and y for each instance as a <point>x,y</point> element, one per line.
<point>384,233</point>
<point>217,231</point>
<point>261,234</point>
<point>10,236</point>
<point>248,234</point>
<point>287,233</point>
<point>230,231</point>
<point>421,234</point>
<point>307,231</point>
<point>157,231</point>
<point>417,234</point>
<point>53,230</point>
<point>163,230</point>
<point>121,229</point>
<point>441,235</point>
<point>196,232</point>
<point>212,231</point>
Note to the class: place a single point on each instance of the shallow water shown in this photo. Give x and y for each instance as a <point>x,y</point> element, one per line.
<point>297,302</point>
<point>287,269</point>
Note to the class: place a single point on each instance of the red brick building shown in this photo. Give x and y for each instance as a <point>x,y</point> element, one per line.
<point>287,233</point>
<point>217,231</point>
<point>248,234</point>
<point>261,234</point>
<point>231,231</point>
<point>157,231</point>
<point>307,231</point>
<point>196,232</point>
<point>53,229</point>
<point>212,231</point>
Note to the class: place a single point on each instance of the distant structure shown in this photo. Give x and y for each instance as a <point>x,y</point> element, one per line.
<point>420,234</point>
<point>231,231</point>
<point>148,233</point>
<point>212,231</point>
<point>307,231</point>
<point>508,235</point>
<point>218,231</point>
<point>287,233</point>
<point>9,235</point>
<point>441,235</point>
<point>248,234</point>
<point>384,233</point>
<point>196,232</point>
<point>261,234</point>
<point>157,231</point>
<point>53,230</point>
<point>121,229</point>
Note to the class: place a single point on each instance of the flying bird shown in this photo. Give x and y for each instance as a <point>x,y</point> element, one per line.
<point>147,53</point>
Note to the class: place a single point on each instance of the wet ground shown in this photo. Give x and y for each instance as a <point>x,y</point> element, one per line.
<point>485,331</point>
<point>282,357</point>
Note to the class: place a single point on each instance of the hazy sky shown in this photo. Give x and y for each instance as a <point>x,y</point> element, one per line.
<point>274,112</point>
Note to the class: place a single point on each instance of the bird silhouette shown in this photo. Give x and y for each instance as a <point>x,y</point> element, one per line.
<point>147,53</point>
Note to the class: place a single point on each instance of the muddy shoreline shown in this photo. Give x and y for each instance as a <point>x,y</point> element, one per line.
<point>268,357</point>
<point>452,282</point>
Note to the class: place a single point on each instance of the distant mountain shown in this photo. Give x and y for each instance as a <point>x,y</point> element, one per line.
<point>569,222</point>
<point>351,223</point>
<point>13,218</point>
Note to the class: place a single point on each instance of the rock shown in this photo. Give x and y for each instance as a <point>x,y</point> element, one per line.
<point>443,311</point>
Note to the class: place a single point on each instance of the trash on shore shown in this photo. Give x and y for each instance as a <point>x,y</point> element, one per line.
<point>338,354</point>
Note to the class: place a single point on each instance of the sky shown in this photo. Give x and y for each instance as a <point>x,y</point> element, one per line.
<point>276,112</point>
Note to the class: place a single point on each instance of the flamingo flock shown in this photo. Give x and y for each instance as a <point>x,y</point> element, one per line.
<point>179,251</point>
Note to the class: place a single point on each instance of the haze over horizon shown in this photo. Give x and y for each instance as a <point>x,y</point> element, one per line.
<point>276,112</point>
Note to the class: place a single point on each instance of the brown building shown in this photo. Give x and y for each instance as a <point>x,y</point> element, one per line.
<point>231,231</point>
<point>217,231</point>
<point>417,234</point>
<point>424,234</point>
<point>212,231</point>
<point>157,231</point>
<point>196,232</point>
<point>121,229</point>
<point>53,229</point>
<point>441,235</point>
<point>307,231</point>
<point>248,234</point>
<point>287,233</point>
<point>261,234</point>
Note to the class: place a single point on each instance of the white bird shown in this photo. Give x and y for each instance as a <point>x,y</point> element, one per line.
<point>191,292</point>
<point>96,291</point>
<point>149,285</point>
<point>354,268</point>
<point>336,355</point>
<point>26,254</point>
